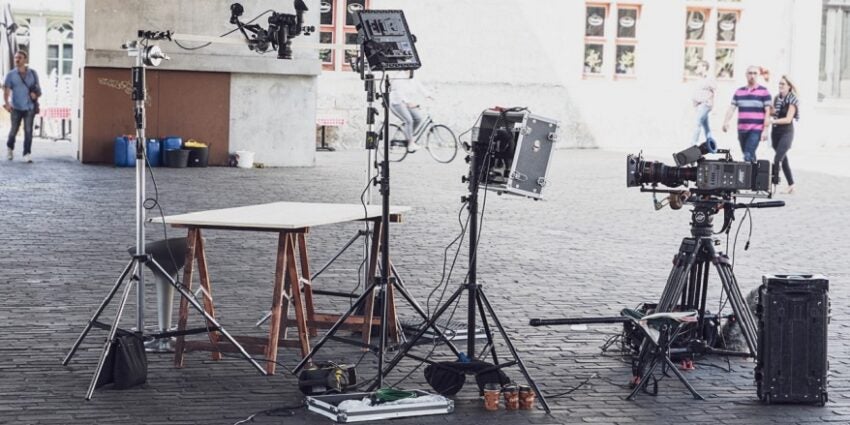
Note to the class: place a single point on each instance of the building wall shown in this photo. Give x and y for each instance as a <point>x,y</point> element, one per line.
<point>480,53</point>
<point>272,101</point>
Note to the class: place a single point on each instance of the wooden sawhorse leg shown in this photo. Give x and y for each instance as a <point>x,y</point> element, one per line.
<point>195,251</point>
<point>286,286</point>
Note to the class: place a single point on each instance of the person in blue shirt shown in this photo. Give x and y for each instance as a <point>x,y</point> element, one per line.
<point>21,91</point>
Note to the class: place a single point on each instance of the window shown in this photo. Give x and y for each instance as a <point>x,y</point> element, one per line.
<point>834,72</point>
<point>727,26</point>
<point>60,48</point>
<point>711,32</point>
<point>594,38</point>
<point>337,23</point>
<point>695,39</point>
<point>627,18</point>
<point>610,47</point>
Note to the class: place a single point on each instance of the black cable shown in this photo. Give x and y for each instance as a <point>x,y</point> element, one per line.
<point>571,390</point>
<point>747,215</point>
<point>177,42</point>
<point>276,411</point>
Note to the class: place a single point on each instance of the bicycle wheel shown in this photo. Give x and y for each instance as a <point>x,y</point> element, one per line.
<point>441,143</point>
<point>398,143</point>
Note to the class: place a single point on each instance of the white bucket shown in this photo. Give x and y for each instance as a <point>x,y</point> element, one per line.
<point>245,159</point>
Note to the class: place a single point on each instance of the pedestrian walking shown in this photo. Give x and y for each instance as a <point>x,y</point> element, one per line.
<point>786,110</point>
<point>21,91</point>
<point>753,105</point>
<point>703,100</point>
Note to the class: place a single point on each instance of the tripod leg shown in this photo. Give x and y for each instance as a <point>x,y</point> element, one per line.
<point>675,287</point>
<point>108,345</point>
<point>681,377</point>
<point>190,298</point>
<point>513,350</point>
<point>487,332</point>
<point>403,291</point>
<point>97,313</point>
<point>430,324</point>
<point>644,380</point>
<point>739,305</point>
<point>362,298</point>
<point>337,255</point>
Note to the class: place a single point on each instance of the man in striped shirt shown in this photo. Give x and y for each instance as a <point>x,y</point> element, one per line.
<point>753,104</point>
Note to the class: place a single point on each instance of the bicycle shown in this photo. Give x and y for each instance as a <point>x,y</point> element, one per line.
<point>440,141</point>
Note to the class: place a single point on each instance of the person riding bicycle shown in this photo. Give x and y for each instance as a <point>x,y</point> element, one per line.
<point>403,103</point>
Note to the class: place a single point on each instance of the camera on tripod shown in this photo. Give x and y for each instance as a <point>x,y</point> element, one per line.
<point>712,176</point>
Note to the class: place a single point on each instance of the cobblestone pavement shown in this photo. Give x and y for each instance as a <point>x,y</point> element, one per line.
<point>591,248</point>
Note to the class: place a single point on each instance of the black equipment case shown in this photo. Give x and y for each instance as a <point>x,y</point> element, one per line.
<point>793,314</point>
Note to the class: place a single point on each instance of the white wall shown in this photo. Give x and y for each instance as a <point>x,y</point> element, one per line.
<point>479,53</point>
<point>272,101</point>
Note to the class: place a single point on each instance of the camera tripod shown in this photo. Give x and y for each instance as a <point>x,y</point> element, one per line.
<point>687,284</point>
<point>476,298</point>
<point>152,56</point>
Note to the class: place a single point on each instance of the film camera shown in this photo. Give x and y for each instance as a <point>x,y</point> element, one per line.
<point>282,28</point>
<point>712,176</point>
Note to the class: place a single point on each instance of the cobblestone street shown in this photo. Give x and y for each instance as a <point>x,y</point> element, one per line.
<point>591,248</point>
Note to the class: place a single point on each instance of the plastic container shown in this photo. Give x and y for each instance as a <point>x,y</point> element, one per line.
<point>245,159</point>
<point>152,147</point>
<point>199,157</point>
<point>125,151</point>
<point>176,158</point>
<point>169,143</point>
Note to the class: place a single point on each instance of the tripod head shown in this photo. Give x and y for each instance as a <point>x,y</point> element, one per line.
<point>705,207</point>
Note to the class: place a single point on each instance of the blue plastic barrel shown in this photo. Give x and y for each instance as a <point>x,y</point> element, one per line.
<point>153,151</point>
<point>170,143</point>
<point>125,151</point>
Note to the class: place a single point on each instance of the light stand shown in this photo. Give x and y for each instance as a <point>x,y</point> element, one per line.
<point>146,55</point>
<point>381,284</point>
<point>476,297</point>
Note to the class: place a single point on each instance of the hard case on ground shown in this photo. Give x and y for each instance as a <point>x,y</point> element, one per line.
<point>327,406</point>
<point>793,314</point>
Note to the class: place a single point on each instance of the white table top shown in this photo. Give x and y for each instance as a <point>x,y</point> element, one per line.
<point>278,215</point>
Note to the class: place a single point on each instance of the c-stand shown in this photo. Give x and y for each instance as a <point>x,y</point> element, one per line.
<point>146,55</point>
<point>382,284</point>
<point>477,302</point>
